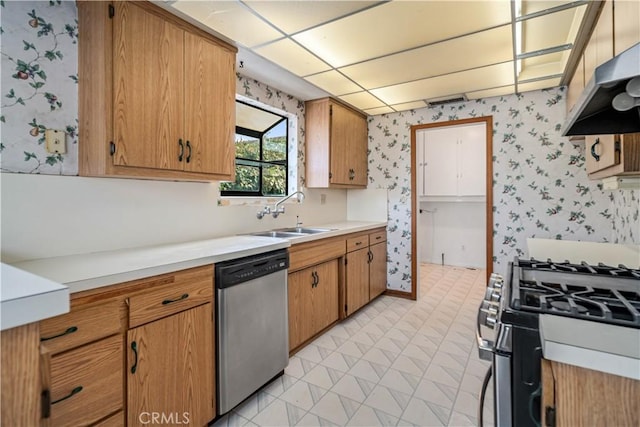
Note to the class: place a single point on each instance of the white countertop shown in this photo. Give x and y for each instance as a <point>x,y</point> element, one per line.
<point>591,345</point>
<point>27,298</point>
<point>89,271</point>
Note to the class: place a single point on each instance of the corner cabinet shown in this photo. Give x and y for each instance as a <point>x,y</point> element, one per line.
<point>336,141</point>
<point>156,95</point>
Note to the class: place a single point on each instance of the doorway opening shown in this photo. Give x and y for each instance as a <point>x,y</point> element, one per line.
<point>452,195</point>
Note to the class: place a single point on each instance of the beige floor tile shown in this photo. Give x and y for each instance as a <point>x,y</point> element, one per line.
<point>367,416</point>
<point>388,400</point>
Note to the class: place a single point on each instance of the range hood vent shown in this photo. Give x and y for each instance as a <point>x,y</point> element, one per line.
<point>434,102</point>
<point>594,113</point>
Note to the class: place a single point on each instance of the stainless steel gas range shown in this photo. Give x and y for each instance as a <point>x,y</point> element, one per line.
<point>512,307</point>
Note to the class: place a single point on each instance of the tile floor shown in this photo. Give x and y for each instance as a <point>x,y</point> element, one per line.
<point>394,363</point>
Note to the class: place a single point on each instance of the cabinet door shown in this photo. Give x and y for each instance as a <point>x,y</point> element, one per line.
<point>626,29</point>
<point>300,288</point>
<point>357,279</point>
<point>601,152</point>
<point>171,370</point>
<point>440,172</point>
<point>472,166</point>
<point>378,270</point>
<point>209,107</point>
<point>325,295</point>
<point>358,150</point>
<point>148,94</point>
<point>342,130</point>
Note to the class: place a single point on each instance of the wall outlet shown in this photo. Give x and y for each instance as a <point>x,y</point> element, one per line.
<point>55,141</point>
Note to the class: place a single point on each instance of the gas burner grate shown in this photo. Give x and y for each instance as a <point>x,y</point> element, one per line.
<point>578,301</point>
<point>583,267</point>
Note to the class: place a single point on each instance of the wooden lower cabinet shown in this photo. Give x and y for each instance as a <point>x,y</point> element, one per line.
<point>575,396</point>
<point>170,369</point>
<point>378,270</point>
<point>313,301</point>
<point>357,280</point>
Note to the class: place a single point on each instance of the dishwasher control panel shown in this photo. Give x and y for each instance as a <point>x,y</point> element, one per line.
<point>240,270</point>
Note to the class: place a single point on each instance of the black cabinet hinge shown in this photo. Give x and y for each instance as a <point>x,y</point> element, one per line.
<point>112,11</point>
<point>45,401</point>
<point>345,308</point>
<point>345,260</point>
<point>331,110</point>
<point>550,416</point>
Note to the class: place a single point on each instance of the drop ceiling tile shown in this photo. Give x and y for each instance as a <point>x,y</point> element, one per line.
<point>542,66</point>
<point>550,30</point>
<point>334,82</point>
<point>231,19</point>
<point>294,16</point>
<point>409,106</point>
<point>483,48</point>
<point>450,84</point>
<point>489,93</point>
<point>362,100</point>
<point>380,110</point>
<point>400,25</point>
<point>292,57</point>
<point>541,84</point>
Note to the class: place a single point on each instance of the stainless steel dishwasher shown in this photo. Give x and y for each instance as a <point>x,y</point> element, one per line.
<point>252,328</point>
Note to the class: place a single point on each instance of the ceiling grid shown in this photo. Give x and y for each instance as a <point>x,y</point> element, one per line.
<point>385,56</point>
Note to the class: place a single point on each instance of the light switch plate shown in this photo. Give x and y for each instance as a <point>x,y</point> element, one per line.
<point>55,141</point>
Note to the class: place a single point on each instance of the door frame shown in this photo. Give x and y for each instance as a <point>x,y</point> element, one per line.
<point>488,120</point>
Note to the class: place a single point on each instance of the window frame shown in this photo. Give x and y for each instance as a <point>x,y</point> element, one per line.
<point>262,163</point>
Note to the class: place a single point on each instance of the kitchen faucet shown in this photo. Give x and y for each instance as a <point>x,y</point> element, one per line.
<point>277,209</point>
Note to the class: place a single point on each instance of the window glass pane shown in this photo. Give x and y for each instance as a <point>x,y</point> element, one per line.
<point>247,179</point>
<point>275,143</point>
<point>274,179</point>
<point>247,147</point>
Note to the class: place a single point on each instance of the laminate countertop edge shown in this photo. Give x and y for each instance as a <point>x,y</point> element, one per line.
<point>84,272</point>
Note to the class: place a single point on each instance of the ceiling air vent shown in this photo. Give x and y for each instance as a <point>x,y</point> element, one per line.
<point>434,102</point>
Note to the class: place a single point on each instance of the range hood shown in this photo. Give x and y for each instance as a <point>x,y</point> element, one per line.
<point>593,113</point>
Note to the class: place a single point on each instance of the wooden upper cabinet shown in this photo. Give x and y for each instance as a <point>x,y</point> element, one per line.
<point>626,31</point>
<point>148,89</point>
<point>209,106</point>
<point>156,95</point>
<point>336,138</point>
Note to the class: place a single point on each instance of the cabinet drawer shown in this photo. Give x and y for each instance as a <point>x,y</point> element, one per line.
<point>377,237</point>
<point>80,326</point>
<point>303,255</point>
<point>87,383</point>
<point>359,242</point>
<point>187,289</point>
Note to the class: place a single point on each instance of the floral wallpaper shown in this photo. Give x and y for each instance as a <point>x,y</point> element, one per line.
<point>540,186</point>
<point>39,85</point>
<point>626,216</point>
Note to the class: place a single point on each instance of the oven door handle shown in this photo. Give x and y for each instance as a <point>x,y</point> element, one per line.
<point>485,347</point>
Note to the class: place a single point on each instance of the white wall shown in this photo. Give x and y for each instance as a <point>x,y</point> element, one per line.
<point>456,229</point>
<point>45,216</point>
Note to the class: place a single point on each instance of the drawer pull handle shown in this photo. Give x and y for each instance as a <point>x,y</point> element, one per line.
<point>73,392</point>
<point>593,150</point>
<point>134,347</point>
<point>181,154</point>
<point>169,301</point>
<point>67,332</point>
<point>370,256</point>
<point>189,153</point>
<point>358,243</point>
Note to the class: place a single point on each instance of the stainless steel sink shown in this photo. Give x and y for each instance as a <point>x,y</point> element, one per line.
<point>303,230</point>
<point>277,233</point>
